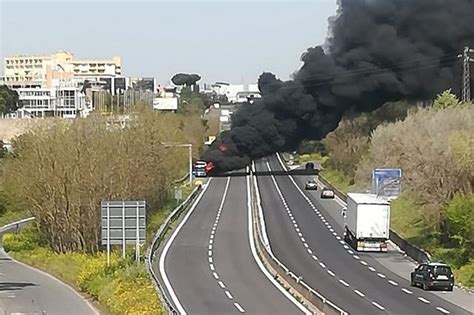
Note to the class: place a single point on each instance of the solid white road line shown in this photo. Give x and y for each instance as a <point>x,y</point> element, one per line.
<point>166,280</point>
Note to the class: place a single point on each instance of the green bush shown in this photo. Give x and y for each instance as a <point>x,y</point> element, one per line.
<point>455,257</point>
<point>460,222</point>
<point>24,241</point>
<point>465,275</point>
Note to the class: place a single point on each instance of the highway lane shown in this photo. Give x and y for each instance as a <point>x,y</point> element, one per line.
<point>209,263</point>
<point>345,271</point>
<point>395,260</point>
<point>24,290</point>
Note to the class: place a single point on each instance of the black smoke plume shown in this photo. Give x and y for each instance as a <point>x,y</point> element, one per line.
<point>378,51</point>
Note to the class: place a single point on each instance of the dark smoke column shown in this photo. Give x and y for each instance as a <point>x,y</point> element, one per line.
<point>378,51</point>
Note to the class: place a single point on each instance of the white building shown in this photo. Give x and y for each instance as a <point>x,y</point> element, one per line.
<point>231,91</point>
<point>60,101</point>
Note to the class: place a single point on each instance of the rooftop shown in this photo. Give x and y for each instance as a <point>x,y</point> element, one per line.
<point>361,198</point>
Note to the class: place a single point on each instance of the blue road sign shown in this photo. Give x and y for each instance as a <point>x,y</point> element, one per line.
<point>386,182</point>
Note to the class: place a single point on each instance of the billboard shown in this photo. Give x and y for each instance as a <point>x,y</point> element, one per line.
<point>386,182</point>
<point>165,103</point>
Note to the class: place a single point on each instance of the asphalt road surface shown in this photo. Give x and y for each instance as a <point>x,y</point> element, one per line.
<point>24,290</point>
<point>207,264</point>
<point>305,236</point>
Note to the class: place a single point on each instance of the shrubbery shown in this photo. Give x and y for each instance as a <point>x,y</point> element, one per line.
<point>434,148</point>
<point>123,287</point>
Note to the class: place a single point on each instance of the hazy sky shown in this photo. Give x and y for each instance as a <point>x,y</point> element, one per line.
<point>222,40</point>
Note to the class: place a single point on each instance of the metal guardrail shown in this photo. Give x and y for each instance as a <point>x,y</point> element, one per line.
<point>15,225</point>
<point>281,272</point>
<point>182,179</point>
<point>157,240</point>
<point>411,250</point>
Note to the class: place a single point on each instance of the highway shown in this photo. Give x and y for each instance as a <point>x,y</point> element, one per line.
<point>24,290</point>
<point>208,263</point>
<point>305,235</point>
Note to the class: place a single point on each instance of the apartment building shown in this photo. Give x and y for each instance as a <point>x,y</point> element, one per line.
<point>64,101</point>
<point>47,71</point>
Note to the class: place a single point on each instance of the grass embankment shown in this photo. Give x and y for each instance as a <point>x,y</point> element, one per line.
<point>406,220</point>
<point>124,287</point>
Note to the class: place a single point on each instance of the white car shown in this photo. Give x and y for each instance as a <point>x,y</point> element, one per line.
<point>327,193</point>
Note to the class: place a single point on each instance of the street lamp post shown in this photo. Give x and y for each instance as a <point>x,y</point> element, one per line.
<point>190,150</point>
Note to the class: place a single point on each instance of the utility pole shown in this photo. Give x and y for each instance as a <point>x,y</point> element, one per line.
<point>466,84</point>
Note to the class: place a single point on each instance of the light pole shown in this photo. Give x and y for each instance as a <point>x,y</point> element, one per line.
<point>190,150</point>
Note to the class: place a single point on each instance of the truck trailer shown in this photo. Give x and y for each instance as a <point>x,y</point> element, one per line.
<point>367,222</point>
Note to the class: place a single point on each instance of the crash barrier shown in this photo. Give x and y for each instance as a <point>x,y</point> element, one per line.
<point>182,179</point>
<point>279,271</point>
<point>157,240</point>
<point>411,250</point>
<point>15,225</point>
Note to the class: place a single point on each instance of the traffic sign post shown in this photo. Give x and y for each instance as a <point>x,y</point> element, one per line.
<point>123,223</point>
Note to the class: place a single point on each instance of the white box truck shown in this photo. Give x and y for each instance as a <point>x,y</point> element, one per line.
<point>367,224</point>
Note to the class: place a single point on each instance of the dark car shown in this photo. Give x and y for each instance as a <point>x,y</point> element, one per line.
<point>433,276</point>
<point>311,185</point>
<point>327,193</point>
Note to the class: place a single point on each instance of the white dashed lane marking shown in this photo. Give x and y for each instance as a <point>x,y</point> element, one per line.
<point>229,295</point>
<point>372,269</point>
<point>381,275</point>
<point>359,293</point>
<point>377,305</point>
<point>392,282</point>
<point>221,284</point>
<point>442,310</point>
<point>407,291</point>
<point>344,283</point>
<point>332,274</point>
<point>423,300</point>
<point>237,305</point>
<point>322,265</point>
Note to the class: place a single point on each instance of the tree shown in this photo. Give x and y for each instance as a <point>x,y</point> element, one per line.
<point>8,100</point>
<point>435,152</point>
<point>185,79</point>
<point>62,172</point>
<point>446,99</point>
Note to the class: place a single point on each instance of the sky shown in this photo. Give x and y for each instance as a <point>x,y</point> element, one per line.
<point>231,41</point>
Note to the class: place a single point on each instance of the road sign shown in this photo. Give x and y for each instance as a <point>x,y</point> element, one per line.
<point>386,182</point>
<point>123,222</point>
